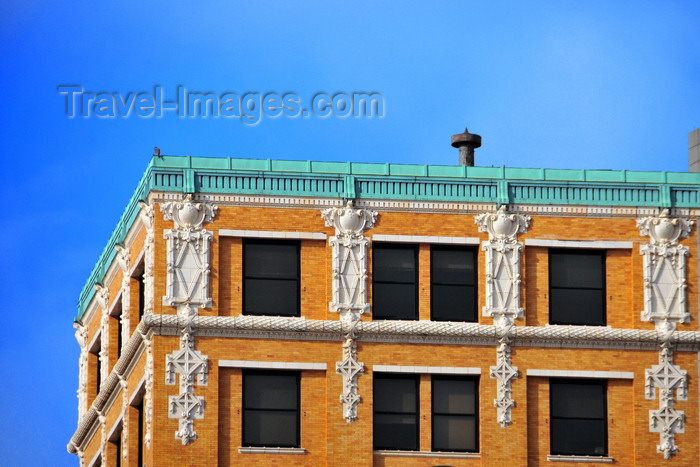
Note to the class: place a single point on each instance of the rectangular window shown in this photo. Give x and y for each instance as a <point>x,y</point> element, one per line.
<point>453,284</point>
<point>115,326</point>
<point>395,281</point>
<point>271,408</point>
<point>271,278</point>
<point>396,412</point>
<point>578,410</point>
<point>577,287</point>
<point>455,421</point>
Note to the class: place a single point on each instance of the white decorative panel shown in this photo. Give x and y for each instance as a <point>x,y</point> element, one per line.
<point>664,268</point>
<point>187,289</point>
<point>667,421</point>
<point>349,259</point>
<point>502,262</point>
<point>188,252</point>
<point>665,305</point>
<point>349,290</point>
<point>503,295</point>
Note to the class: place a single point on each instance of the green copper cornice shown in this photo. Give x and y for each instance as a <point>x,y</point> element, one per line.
<point>351,180</point>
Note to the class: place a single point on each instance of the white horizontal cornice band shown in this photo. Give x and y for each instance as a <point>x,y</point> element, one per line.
<point>580,374</point>
<point>262,365</point>
<point>432,370</point>
<point>422,332</point>
<point>595,244</point>
<point>426,239</point>
<point>272,234</point>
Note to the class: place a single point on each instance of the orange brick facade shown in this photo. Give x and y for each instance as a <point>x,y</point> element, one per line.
<point>132,412</point>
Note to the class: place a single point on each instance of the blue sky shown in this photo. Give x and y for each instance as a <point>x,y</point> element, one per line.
<point>609,85</point>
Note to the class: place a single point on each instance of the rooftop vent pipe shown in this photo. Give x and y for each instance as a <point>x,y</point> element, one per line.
<point>466,142</point>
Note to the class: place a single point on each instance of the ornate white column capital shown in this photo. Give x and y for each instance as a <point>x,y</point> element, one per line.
<point>502,227</point>
<point>664,230</point>
<point>102,296</point>
<point>349,222</point>
<point>122,257</point>
<point>146,214</point>
<point>187,214</point>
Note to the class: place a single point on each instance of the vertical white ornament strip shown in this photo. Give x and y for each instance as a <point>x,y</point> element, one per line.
<point>102,296</point>
<point>146,216</point>
<point>148,394</point>
<point>349,290</point>
<point>503,295</point>
<point>665,305</point>
<point>125,419</point>
<point>81,335</point>
<point>124,264</point>
<point>187,288</point>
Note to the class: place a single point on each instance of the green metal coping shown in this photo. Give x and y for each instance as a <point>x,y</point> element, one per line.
<point>349,180</point>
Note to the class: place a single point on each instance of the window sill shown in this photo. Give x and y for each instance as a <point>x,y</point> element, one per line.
<point>444,454</point>
<point>592,459</point>
<point>263,450</point>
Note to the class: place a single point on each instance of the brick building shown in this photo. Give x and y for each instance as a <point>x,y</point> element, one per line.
<point>321,313</point>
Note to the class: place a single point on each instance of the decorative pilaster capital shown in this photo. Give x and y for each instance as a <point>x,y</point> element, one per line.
<point>349,221</point>
<point>146,214</point>
<point>502,227</point>
<point>187,214</point>
<point>81,335</point>
<point>664,230</point>
<point>122,257</point>
<point>102,296</point>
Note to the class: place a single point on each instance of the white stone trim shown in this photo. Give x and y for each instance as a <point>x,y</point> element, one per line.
<point>264,450</point>
<point>263,365</point>
<point>426,239</point>
<point>591,459</point>
<point>590,244</point>
<point>442,370</point>
<point>581,374</point>
<point>448,455</point>
<point>272,234</point>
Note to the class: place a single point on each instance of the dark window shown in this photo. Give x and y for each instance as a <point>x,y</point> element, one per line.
<point>116,445</point>
<point>271,278</point>
<point>577,287</point>
<point>271,409</point>
<point>394,282</point>
<point>116,320</point>
<point>396,412</point>
<point>138,277</point>
<point>453,284</point>
<point>455,418</point>
<point>95,357</point>
<point>579,417</point>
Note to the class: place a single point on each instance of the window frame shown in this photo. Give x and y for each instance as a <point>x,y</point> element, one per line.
<point>297,410</point>
<point>474,415</point>
<point>245,276</point>
<point>396,376</point>
<point>603,383</point>
<point>473,312</point>
<point>602,253</point>
<point>395,246</point>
